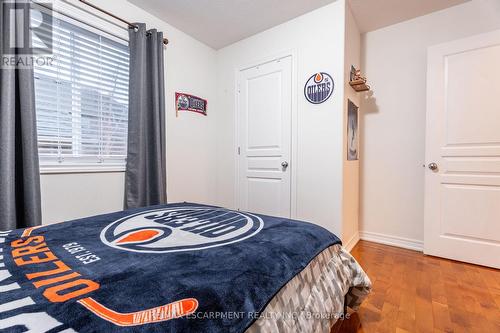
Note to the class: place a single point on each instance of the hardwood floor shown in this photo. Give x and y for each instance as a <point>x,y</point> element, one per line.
<point>417,293</point>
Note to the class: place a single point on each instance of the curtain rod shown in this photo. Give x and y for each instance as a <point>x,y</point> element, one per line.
<point>130,25</point>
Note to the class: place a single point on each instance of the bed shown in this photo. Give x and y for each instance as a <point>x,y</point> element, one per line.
<point>177,268</point>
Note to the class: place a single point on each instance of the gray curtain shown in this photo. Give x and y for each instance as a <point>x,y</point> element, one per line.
<point>19,171</point>
<point>145,176</point>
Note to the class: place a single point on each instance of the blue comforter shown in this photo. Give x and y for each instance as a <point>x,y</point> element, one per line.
<point>172,268</point>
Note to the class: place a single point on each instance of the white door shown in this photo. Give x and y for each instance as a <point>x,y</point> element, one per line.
<point>264,130</point>
<point>462,195</point>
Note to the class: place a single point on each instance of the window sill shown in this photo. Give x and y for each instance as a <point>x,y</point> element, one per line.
<point>59,169</point>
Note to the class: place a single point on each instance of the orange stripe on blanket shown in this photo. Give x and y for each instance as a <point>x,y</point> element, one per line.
<point>154,315</point>
<point>28,231</point>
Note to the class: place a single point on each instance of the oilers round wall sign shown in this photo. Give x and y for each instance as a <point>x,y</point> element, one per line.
<point>319,87</point>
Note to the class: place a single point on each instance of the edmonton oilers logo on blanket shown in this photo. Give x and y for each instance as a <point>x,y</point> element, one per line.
<point>319,88</point>
<point>176,229</point>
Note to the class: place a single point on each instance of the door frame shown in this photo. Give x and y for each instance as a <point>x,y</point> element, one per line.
<point>294,125</point>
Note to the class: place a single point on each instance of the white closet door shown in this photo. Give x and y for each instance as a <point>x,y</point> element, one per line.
<point>265,105</point>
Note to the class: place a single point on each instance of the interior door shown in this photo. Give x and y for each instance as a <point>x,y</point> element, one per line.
<point>462,194</point>
<point>264,117</point>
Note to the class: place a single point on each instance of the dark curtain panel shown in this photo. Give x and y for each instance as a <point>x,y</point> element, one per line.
<point>145,176</point>
<point>19,172</point>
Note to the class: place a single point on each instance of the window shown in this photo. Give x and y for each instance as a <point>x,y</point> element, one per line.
<point>82,99</point>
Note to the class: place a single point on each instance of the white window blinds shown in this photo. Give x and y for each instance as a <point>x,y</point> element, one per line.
<point>82,99</point>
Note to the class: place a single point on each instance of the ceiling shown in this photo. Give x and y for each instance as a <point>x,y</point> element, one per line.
<point>219,23</point>
<point>375,14</point>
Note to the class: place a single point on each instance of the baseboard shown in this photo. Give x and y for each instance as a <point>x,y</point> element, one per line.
<point>405,243</point>
<point>349,245</point>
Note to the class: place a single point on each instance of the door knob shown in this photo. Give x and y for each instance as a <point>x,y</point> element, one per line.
<point>284,164</point>
<point>433,166</point>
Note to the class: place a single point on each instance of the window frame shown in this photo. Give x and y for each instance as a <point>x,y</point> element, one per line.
<point>93,22</point>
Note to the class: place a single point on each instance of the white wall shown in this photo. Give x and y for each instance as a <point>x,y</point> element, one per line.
<point>350,208</point>
<point>393,123</point>
<point>69,196</point>
<point>317,40</point>
<point>191,163</point>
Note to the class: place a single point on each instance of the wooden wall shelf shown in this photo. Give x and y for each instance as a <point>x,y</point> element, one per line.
<point>359,85</point>
<point>358,82</point>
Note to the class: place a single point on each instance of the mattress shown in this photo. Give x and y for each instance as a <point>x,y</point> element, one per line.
<point>176,268</point>
<point>318,296</point>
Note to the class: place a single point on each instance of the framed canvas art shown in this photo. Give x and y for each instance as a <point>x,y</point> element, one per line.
<point>352,132</point>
